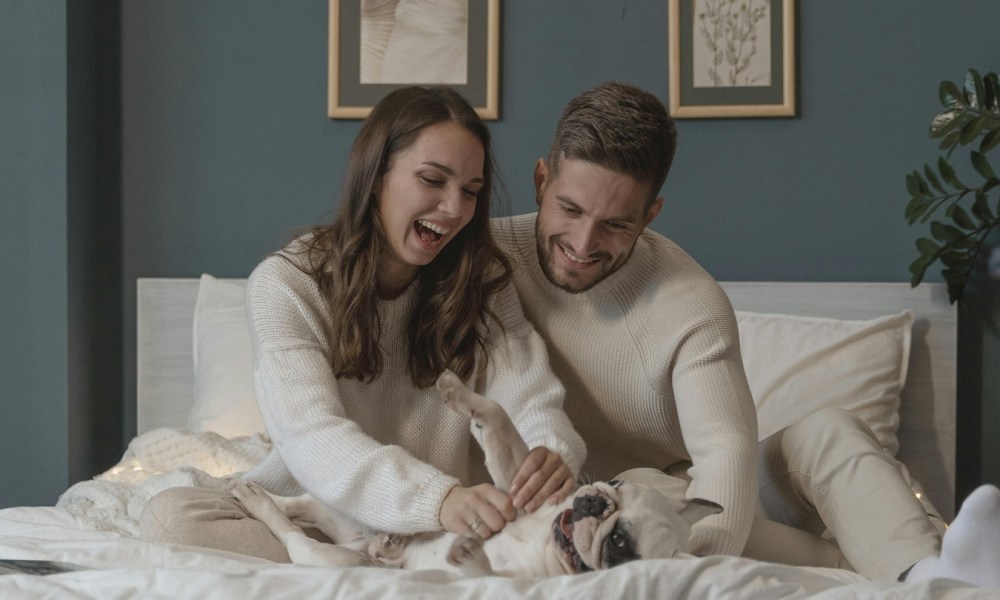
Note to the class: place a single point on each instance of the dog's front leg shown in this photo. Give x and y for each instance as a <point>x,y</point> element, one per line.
<point>503,446</point>
<point>309,513</point>
<point>302,549</point>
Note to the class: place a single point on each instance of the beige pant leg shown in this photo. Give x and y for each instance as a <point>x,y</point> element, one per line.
<point>209,519</point>
<point>768,540</point>
<point>827,471</point>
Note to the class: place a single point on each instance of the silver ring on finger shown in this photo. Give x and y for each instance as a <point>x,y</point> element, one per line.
<point>474,525</point>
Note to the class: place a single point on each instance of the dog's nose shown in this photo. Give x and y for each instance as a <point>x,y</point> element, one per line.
<point>588,506</point>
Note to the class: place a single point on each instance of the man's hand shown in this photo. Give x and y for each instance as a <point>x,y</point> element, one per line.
<point>481,510</point>
<point>542,477</point>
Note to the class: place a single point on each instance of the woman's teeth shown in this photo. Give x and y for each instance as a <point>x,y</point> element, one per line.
<point>433,227</point>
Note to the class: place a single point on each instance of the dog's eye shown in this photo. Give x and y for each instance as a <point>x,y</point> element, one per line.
<point>615,483</point>
<point>619,547</point>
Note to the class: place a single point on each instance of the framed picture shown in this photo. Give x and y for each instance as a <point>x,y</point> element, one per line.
<point>732,58</point>
<point>377,46</point>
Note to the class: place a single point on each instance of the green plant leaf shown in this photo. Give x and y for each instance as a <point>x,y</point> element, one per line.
<point>915,209</point>
<point>945,122</point>
<point>982,166</point>
<point>981,208</point>
<point>919,267</point>
<point>913,185</point>
<point>956,287</point>
<point>927,247</point>
<point>950,95</point>
<point>932,179</point>
<point>971,130</point>
<point>945,233</point>
<point>956,260</point>
<point>955,276</point>
<point>962,218</point>
<point>990,141</point>
<point>968,243</point>
<point>948,173</point>
<point>973,88</point>
<point>991,95</point>
<point>950,139</point>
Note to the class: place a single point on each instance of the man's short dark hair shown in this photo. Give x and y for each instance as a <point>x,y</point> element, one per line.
<point>619,127</point>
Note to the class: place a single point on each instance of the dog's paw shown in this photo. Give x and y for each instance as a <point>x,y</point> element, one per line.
<point>467,550</point>
<point>385,546</point>
<point>254,499</point>
<point>454,392</point>
<point>389,541</point>
<point>387,549</point>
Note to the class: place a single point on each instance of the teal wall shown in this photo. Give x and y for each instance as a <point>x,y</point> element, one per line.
<point>225,148</point>
<point>60,246</point>
<point>34,370</point>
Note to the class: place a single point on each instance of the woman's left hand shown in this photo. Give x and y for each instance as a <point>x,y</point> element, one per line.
<point>543,476</point>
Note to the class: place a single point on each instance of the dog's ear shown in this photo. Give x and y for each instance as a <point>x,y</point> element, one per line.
<point>697,509</point>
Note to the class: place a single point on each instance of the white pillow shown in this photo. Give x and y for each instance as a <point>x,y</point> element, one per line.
<point>224,397</point>
<point>795,366</point>
<point>798,365</point>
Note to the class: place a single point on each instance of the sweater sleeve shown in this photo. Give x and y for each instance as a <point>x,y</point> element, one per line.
<point>329,455</point>
<point>520,379</point>
<point>717,417</point>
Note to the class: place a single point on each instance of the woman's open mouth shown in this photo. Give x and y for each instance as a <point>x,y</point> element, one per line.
<point>430,233</point>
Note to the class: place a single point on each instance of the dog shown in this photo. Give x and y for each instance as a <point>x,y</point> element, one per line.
<point>601,525</point>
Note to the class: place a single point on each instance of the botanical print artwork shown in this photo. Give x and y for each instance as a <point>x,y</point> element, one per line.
<point>731,42</point>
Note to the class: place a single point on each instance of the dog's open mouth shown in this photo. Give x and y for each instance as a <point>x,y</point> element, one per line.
<point>562,531</point>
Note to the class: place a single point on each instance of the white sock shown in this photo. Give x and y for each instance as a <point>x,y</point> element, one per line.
<point>970,550</point>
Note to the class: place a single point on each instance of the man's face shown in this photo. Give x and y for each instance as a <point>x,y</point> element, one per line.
<point>589,218</point>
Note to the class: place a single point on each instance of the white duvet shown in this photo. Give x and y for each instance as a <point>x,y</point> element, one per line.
<point>94,525</point>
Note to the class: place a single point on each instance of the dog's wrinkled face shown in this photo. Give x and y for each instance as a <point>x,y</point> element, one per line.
<point>618,521</point>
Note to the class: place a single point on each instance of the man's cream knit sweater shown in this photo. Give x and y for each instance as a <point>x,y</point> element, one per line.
<point>384,452</point>
<point>650,359</point>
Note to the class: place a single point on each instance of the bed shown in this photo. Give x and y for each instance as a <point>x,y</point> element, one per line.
<point>884,351</point>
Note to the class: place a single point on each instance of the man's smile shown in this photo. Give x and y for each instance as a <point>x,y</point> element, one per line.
<point>574,257</point>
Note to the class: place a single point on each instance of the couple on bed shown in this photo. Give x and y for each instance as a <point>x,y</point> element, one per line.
<point>591,330</point>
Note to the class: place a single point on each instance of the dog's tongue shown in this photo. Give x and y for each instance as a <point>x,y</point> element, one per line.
<point>566,523</point>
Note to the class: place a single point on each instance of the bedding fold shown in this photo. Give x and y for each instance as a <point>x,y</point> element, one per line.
<point>154,461</point>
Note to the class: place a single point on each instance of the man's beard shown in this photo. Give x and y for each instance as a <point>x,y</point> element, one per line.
<point>546,249</point>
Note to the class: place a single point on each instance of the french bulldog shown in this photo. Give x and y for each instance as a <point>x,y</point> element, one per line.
<point>601,525</point>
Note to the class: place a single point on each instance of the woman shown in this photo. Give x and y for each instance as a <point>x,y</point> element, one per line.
<point>353,322</point>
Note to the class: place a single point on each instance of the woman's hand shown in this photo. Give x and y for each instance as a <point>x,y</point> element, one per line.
<point>481,509</point>
<point>542,477</point>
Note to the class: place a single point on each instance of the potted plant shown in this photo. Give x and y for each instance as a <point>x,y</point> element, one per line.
<point>961,216</point>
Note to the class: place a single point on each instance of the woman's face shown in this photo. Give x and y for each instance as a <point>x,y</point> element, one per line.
<point>427,195</point>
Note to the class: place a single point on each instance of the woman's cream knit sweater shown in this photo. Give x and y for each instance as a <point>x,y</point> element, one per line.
<point>383,452</point>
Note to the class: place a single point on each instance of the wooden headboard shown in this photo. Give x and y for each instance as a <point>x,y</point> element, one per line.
<point>165,374</point>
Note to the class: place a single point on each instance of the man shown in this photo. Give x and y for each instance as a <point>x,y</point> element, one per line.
<point>646,343</point>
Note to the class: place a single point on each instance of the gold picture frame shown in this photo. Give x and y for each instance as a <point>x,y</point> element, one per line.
<point>732,59</point>
<point>362,69</point>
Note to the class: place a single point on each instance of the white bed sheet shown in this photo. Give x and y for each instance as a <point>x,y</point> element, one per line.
<point>94,524</point>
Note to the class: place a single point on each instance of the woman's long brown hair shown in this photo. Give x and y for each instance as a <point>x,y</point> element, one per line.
<point>344,257</point>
